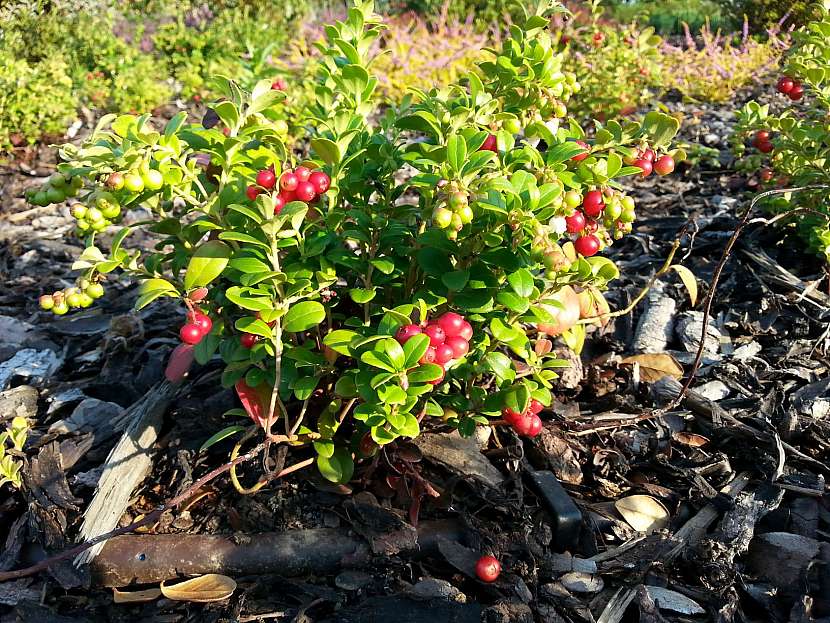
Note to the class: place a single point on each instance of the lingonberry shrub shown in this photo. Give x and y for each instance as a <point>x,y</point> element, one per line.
<point>790,149</point>
<point>413,265</point>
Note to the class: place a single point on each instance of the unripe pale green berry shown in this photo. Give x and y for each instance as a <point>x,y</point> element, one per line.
<point>466,214</point>
<point>442,217</point>
<point>46,302</point>
<point>60,308</point>
<point>573,199</point>
<point>74,299</point>
<point>95,290</point>
<point>79,211</point>
<point>94,215</point>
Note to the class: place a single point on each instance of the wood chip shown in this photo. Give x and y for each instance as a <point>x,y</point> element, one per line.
<point>134,597</point>
<point>210,587</point>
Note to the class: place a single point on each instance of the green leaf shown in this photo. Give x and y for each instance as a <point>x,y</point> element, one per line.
<point>410,427</point>
<point>501,366</point>
<point>328,150</point>
<point>340,340</point>
<point>207,264</point>
<point>175,123</point>
<point>240,297</point>
<point>372,358</point>
<point>222,434</point>
<point>522,282</point>
<point>303,316</point>
<point>434,261</point>
<point>456,152</point>
<point>414,349</point>
<point>151,289</point>
<point>362,295</point>
<point>249,324</point>
<point>304,387</point>
<point>337,468</point>
<point>383,265</point>
<point>456,279</point>
<point>395,352</point>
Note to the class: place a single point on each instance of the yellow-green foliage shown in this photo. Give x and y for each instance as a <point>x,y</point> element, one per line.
<point>415,55</point>
<point>35,99</point>
<point>720,65</point>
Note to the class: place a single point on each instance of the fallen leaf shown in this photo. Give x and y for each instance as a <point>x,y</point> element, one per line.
<point>690,439</point>
<point>654,366</point>
<point>688,279</point>
<point>210,587</point>
<point>134,597</point>
<point>643,513</point>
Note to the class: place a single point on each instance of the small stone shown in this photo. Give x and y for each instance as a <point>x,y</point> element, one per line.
<point>578,582</point>
<point>689,327</point>
<point>433,588</point>
<point>711,139</point>
<point>713,390</point>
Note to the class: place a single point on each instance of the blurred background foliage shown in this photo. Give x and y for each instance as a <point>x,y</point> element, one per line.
<point>58,57</point>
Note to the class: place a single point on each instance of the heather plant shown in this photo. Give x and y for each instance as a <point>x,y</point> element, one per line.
<point>617,66</point>
<point>720,65</point>
<point>413,266</point>
<point>790,148</point>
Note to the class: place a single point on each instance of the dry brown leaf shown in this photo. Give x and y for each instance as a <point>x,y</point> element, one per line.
<point>654,366</point>
<point>134,597</point>
<point>690,439</point>
<point>643,512</point>
<point>210,587</point>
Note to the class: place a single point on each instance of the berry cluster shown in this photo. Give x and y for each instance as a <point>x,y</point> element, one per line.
<point>82,295</point>
<point>449,339</point>
<point>301,184</point>
<point>197,327</point>
<point>453,211</point>
<point>56,190</point>
<point>104,209</point>
<point>761,142</point>
<point>615,212</point>
<point>647,161</point>
<point>790,87</point>
<point>527,424</point>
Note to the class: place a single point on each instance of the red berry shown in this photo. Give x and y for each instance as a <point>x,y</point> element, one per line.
<point>320,181</point>
<point>785,85</point>
<point>452,323</point>
<point>444,353</point>
<point>436,334</point>
<point>587,245</point>
<point>289,181</point>
<point>575,223</point>
<point>648,154</point>
<point>535,425</point>
<point>664,165</point>
<point>767,175</point>
<point>305,191</point>
<point>302,173</point>
<point>490,143</point>
<point>190,334</point>
<point>203,321</point>
<point>199,294</point>
<point>287,196</point>
<point>593,205</point>
<point>591,227</point>
<point>466,331</point>
<point>279,204</point>
<point>761,136</point>
<point>429,355</point>
<point>459,345</point>
<point>266,178</point>
<point>765,147</point>
<point>488,568</point>
<point>582,156</point>
<point>279,84</point>
<point>510,416</point>
<point>407,331</point>
<point>797,92</point>
<point>248,340</point>
<point>252,192</point>
<point>535,406</point>
<point>645,165</point>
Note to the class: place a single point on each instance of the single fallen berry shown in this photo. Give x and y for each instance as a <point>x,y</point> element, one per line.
<point>190,333</point>
<point>488,568</point>
<point>266,178</point>
<point>575,223</point>
<point>407,331</point>
<point>664,165</point>
<point>587,245</point>
<point>247,340</point>
<point>435,333</point>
